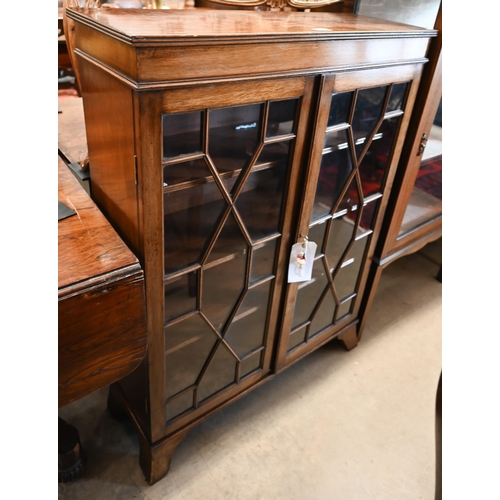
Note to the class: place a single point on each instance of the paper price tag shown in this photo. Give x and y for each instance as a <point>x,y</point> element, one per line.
<point>301,261</point>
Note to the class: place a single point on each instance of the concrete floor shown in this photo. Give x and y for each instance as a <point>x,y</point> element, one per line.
<point>337,425</point>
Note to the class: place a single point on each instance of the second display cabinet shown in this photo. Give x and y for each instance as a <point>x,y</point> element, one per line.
<point>218,140</point>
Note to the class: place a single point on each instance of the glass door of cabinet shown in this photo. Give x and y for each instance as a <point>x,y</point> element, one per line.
<point>357,130</point>
<point>425,203</point>
<point>226,175</point>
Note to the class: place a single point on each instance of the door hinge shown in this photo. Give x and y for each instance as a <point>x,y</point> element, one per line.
<point>423,143</point>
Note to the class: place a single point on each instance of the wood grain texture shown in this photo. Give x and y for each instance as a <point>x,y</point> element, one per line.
<point>111,144</point>
<point>137,65</point>
<point>88,246</point>
<point>227,45</point>
<point>101,311</point>
<point>71,133</point>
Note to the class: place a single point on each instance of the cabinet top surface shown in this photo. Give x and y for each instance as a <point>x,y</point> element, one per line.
<point>150,26</point>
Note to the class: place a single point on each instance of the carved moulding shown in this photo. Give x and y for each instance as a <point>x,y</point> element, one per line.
<point>279,4</point>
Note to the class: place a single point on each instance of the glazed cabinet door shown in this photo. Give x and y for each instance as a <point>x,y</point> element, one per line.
<point>230,155</point>
<point>357,133</point>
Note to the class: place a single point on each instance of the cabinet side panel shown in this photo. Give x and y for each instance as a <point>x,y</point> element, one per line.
<point>109,124</point>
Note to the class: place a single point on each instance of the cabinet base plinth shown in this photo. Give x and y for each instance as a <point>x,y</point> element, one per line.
<point>349,338</point>
<point>155,459</point>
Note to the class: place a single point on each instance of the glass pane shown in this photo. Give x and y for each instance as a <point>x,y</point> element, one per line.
<point>339,108</point>
<point>296,338</point>
<point>222,287</point>
<point>351,197</point>
<point>233,135</point>
<point>317,235</point>
<point>220,373</point>
<point>309,293</point>
<point>336,139</point>
<point>190,218</point>
<point>426,199</point>
<point>335,168</point>
<point>246,332</point>
<point>368,110</point>
<point>250,364</point>
<point>179,405</point>
<point>182,133</point>
<point>368,217</point>
<point>185,171</point>
<point>259,204</point>
<point>324,315</point>
<point>180,295</point>
<point>344,310</point>
<point>276,152</point>
<point>281,117</point>
<point>341,234</point>
<point>189,344</point>
<point>397,96</point>
<point>263,260</point>
<point>374,165</point>
<point>230,241</point>
<point>347,277</point>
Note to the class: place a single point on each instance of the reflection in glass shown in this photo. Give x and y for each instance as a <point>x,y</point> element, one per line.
<point>190,218</point>
<point>230,241</point>
<point>376,160</point>
<point>317,235</point>
<point>324,315</point>
<point>344,309</point>
<point>309,293</point>
<point>263,260</point>
<point>179,405</point>
<point>222,287</point>
<point>367,112</point>
<point>246,332</point>
<point>274,153</point>
<point>185,359</point>
<point>220,373</point>
<point>180,295</point>
<point>250,364</point>
<point>397,97</point>
<point>296,338</point>
<point>347,277</point>
<point>368,217</point>
<point>350,200</point>
<point>281,117</point>
<point>341,234</point>
<point>178,173</point>
<point>182,133</point>
<point>335,168</point>
<point>425,202</point>
<point>339,109</point>
<point>260,202</point>
<point>233,135</point>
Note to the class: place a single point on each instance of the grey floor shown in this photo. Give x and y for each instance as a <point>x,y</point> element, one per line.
<point>355,425</point>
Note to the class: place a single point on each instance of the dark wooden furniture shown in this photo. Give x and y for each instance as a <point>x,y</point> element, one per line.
<point>72,139</point>
<point>414,212</point>
<point>101,312</point>
<point>217,140</point>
